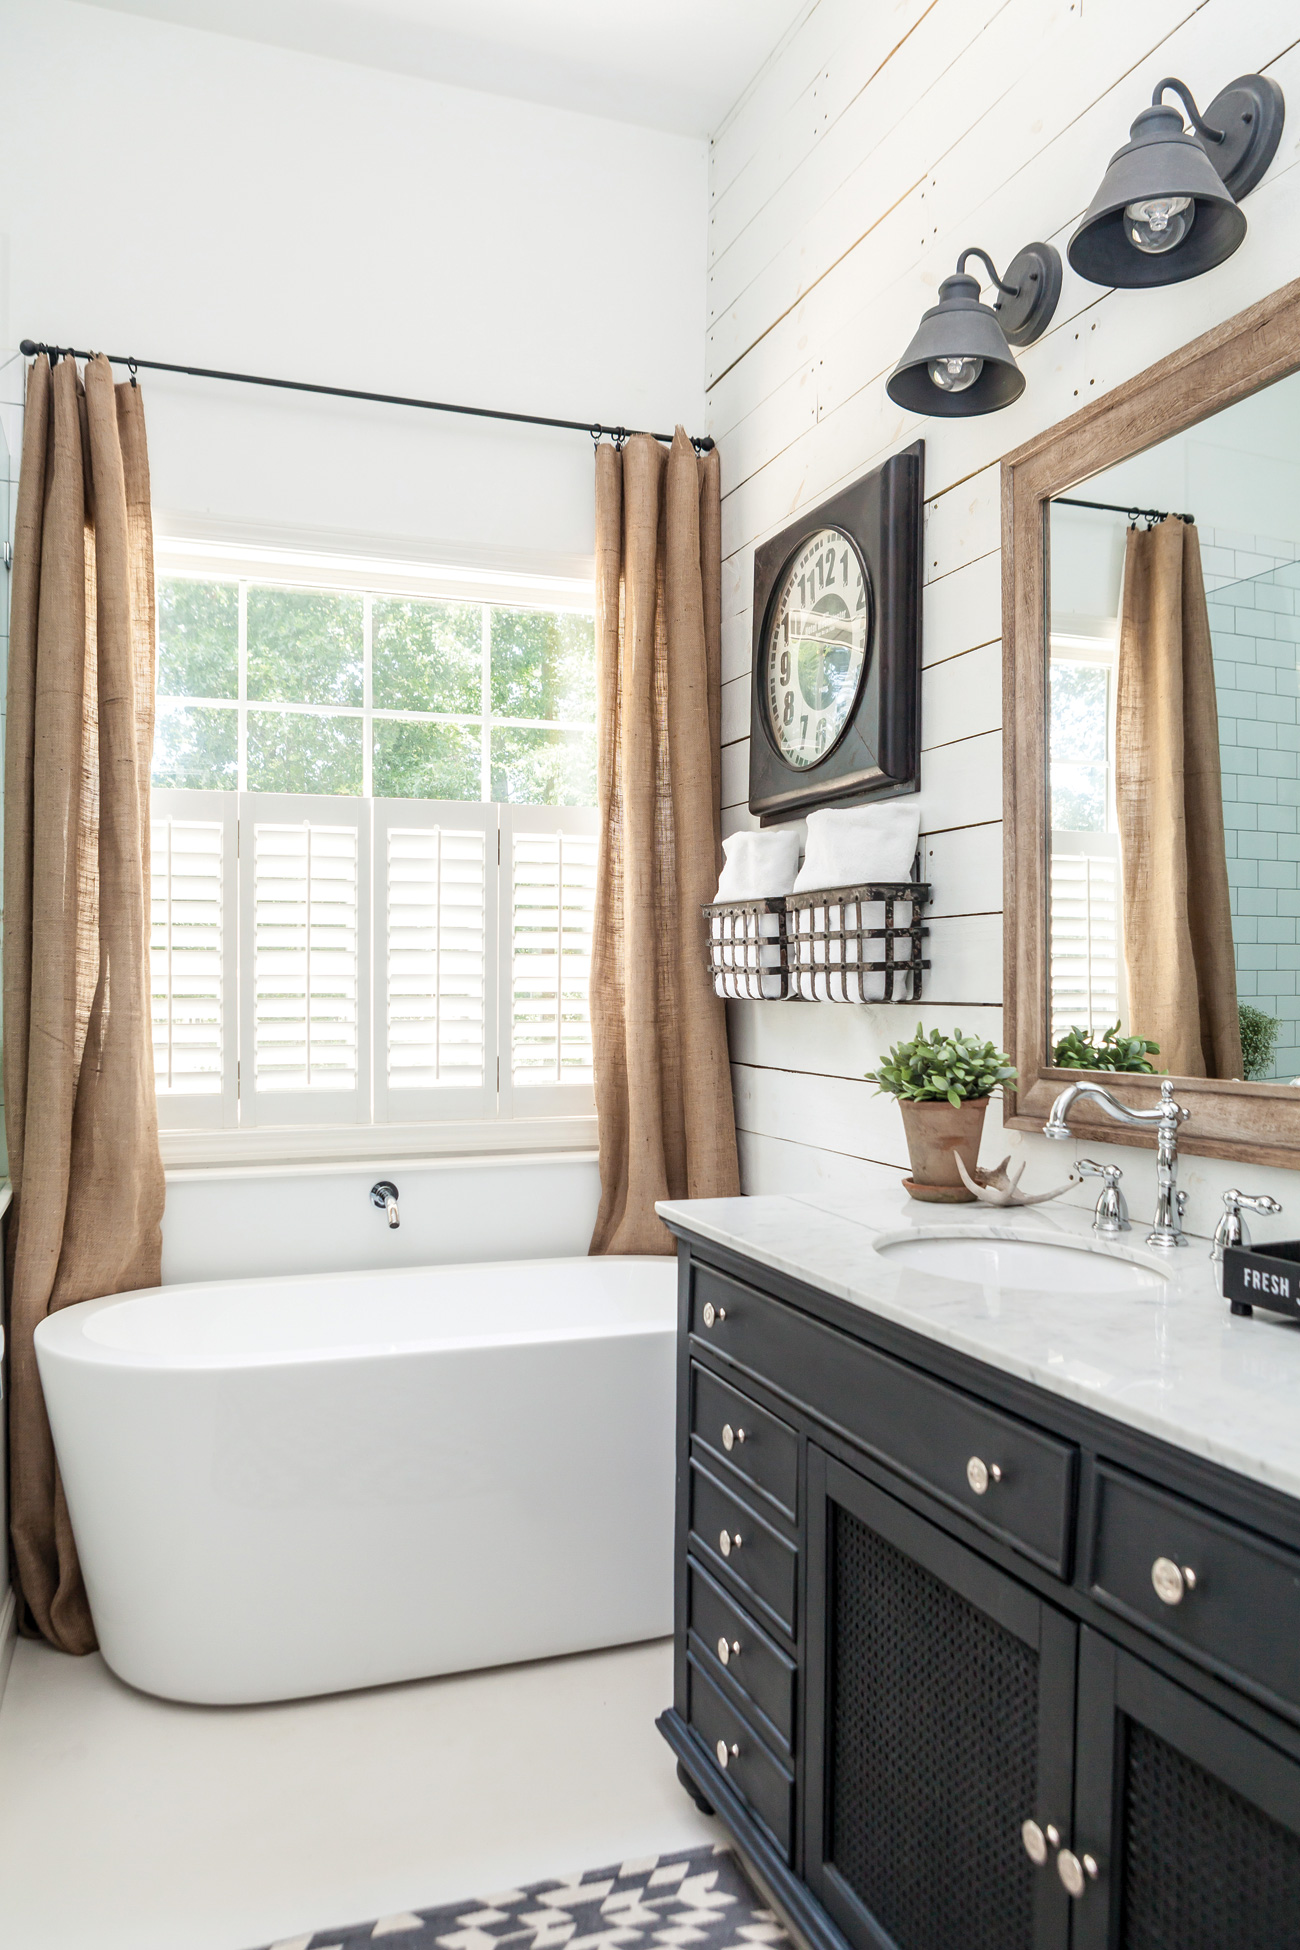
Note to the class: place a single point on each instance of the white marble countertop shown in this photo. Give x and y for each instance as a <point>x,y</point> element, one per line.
<point>1169,1359</point>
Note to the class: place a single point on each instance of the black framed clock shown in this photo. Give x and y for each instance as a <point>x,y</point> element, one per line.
<point>835,712</point>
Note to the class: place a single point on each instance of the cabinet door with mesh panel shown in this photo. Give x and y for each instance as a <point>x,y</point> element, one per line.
<point>940,1723</point>
<point>1191,1822</point>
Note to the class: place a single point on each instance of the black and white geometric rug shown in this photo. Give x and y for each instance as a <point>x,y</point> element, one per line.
<point>698,1899</point>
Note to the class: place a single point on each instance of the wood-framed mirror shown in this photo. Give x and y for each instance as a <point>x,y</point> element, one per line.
<point>1151,787</point>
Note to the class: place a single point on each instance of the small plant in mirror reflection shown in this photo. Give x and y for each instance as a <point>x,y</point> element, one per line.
<point>1112,1051</point>
<point>1259,1034</point>
<point>938,1066</point>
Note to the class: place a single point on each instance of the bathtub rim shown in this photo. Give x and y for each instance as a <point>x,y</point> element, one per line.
<point>61,1334</point>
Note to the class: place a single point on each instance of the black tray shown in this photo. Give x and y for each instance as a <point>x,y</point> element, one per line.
<point>1263,1276</point>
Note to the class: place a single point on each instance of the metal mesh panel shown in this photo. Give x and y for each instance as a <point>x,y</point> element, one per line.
<point>934,1737</point>
<point>1203,1869</point>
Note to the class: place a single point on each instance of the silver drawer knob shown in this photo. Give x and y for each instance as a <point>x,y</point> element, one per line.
<point>728,1541</point>
<point>1076,1873</point>
<point>731,1438</point>
<point>980,1474</point>
<point>1171,1581</point>
<point>1035,1842</point>
<point>712,1313</point>
<point>728,1652</point>
<point>726,1753</point>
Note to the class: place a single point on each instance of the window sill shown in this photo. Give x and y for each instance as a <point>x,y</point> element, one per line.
<point>322,1147</point>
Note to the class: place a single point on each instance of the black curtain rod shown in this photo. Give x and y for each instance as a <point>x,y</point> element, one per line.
<point>1113,508</point>
<point>703,443</point>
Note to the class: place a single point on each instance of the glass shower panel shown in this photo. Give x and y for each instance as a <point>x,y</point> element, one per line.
<point>1255,630</point>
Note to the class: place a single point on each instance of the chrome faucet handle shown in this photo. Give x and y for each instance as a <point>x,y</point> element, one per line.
<point>384,1195</point>
<point>1232,1229</point>
<point>1111,1216</point>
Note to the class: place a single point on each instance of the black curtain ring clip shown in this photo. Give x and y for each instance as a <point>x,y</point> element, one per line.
<point>596,431</point>
<point>132,368</point>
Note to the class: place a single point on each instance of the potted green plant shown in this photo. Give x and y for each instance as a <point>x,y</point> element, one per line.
<point>942,1083</point>
<point>1112,1051</point>
<point>1259,1034</point>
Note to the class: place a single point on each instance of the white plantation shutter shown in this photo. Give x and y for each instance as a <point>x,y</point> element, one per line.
<point>1088,987</point>
<point>192,958</point>
<point>548,892</point>
<point>304,959</point>
<point>435,960</point>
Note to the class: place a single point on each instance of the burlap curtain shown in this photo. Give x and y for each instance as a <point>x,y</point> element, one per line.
<point>78,1076</point>
<point>1178,951</point>
<point>663,1083</point>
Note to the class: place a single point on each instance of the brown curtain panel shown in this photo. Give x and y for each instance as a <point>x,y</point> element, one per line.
<point>1178,951</point>
<point>78,1073</point>
<point>663,1081</point>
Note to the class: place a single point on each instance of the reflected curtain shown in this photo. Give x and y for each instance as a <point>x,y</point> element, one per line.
<point>1178,948</point>
<point>663,1082</point>
<point>80,1116</point>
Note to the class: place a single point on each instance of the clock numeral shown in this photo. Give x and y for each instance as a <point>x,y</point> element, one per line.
<point>803,727</point>
<point>819,744</point>
<point>830,573</point>
<point>788,717</point>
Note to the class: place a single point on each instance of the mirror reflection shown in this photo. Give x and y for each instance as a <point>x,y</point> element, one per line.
<point>1174,754</point>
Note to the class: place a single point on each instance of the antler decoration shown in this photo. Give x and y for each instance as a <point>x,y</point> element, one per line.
<point>999,1187</point>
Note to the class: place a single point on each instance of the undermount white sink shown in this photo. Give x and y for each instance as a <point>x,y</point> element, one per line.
<point>1057,1265</point>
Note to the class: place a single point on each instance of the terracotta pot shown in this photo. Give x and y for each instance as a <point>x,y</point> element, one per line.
<point>936,1134</point>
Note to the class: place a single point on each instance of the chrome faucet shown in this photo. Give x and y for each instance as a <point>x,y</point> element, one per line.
<point>1167,1230</point>
<point>384,1195</point>
<point>1111,1217</point>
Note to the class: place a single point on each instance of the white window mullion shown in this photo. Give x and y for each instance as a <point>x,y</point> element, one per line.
<point>367,696</point>
<point>242,706</point>
<point>485,706</point>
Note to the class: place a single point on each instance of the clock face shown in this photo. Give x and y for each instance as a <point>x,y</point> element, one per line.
<point>815,655</point>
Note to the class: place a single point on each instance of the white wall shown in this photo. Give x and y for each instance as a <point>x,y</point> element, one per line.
<point>195,198</point>
<point>190,197</point>
<point>233,1224</point>
<point>880,142</point>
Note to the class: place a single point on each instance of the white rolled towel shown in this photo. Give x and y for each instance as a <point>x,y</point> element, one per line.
<point>759,866</point>
<point>852,845</point>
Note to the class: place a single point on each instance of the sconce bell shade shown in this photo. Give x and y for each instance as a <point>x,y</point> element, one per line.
<point>1159,164</point>
<point>959,363</point>
<point>957,332</point>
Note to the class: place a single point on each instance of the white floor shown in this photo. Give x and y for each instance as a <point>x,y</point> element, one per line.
<point>130,1824</point>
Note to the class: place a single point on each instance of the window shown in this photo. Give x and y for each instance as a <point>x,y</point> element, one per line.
<point>373,851</point>
<point>1088,984</point>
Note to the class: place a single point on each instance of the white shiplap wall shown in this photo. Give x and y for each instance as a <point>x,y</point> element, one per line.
<point>878,142</point>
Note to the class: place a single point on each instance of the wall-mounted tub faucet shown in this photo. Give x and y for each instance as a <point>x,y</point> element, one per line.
<point>1167,1116</point>
<point>384,1195</point>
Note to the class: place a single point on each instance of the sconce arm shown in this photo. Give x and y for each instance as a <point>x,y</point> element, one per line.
<point>1194,116</point>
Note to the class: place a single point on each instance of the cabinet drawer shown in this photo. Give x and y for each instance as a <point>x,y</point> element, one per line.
<point>757,1776</point>
<point>724,1634</point>
<point>927,1431</point>
<point>732,1538</point>
<point>1242,1612</point>
<point>755,1443</point>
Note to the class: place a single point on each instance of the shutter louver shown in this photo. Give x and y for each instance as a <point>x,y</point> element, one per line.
<point>436,925</point>
<point>187,956</point>
<point>1087,978</point>
<point>305,957</point>
<point>552,902</point>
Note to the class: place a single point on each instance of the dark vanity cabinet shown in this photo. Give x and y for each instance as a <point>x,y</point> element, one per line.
<point>962,1666</point>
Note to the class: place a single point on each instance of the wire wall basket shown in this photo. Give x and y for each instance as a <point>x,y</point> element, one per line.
<point>832,944</point>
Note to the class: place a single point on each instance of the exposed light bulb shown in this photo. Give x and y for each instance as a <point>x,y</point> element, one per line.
<point>955,375</point>
<point>1158,223</point>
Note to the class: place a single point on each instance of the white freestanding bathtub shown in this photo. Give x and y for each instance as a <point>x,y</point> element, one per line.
<point>295,1486</point>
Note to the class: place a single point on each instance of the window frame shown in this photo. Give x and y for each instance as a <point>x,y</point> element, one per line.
<point>238,1126</point>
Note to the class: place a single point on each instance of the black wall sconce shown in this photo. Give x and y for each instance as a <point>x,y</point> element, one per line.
<point>1167,206</point>
<point>959,361</point>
